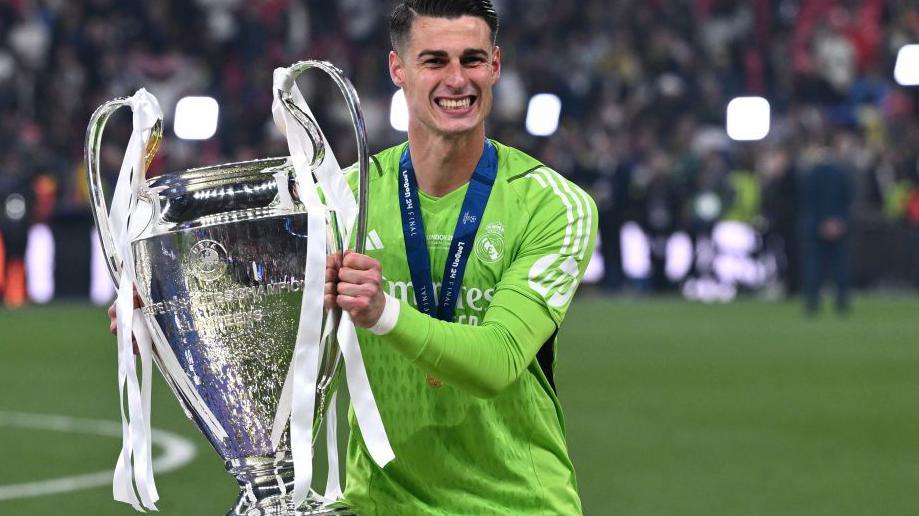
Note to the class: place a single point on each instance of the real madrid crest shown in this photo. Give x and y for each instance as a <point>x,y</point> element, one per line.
<point>207,260</point>
<point>489,246</point>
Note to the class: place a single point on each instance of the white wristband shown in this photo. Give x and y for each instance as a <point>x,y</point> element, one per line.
<point>388,318</point>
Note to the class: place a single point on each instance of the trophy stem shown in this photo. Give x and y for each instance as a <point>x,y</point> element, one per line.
<point>266,486</point>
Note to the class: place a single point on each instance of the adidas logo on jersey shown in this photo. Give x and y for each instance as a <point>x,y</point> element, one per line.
<point>373,242</point>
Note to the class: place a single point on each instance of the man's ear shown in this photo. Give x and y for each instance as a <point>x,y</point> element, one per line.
<point>496,63</point>
<point>396,69</point>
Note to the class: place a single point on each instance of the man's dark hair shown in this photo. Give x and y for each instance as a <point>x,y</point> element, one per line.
<point>400,21</point>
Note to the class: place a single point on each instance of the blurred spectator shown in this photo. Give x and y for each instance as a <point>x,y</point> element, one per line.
<point>825,224</point>
<point>912,221</point>
<point>780,207</point>
<point>661,204</point>
<point>16,202</point>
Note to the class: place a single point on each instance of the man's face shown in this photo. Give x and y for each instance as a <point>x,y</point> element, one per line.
<point>447,69</point>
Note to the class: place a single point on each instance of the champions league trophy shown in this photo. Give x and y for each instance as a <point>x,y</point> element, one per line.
<point>221,259</point>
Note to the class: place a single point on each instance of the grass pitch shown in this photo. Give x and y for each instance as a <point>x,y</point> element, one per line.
<point>672,409</point>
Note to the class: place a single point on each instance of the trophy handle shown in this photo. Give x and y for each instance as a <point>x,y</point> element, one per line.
<point>360,133</point>
<point>94,176</point>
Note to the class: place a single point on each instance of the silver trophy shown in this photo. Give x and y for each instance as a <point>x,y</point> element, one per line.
<point>220,271</point>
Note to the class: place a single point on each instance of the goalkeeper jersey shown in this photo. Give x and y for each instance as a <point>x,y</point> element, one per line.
<point>470,407</point>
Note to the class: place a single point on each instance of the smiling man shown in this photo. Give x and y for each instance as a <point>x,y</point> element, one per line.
<point>476,251</point>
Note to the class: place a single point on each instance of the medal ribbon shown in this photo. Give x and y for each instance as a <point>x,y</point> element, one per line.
<point>467,224</point>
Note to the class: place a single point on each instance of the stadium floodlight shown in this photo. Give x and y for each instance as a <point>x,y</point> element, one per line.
<point>196,118</point>
<point>543,114</point>
<point>748,118</point>
<point>398,112</point>
<point>906,71</point>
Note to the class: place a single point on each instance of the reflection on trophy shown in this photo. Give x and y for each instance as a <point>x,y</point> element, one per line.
<point>218,255</point>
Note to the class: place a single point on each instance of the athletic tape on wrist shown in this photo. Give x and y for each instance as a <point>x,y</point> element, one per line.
<point>388,318</point>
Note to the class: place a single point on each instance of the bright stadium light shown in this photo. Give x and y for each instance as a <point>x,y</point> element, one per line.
<point>906,71</point>
<point>543,114</point>
<point>39,260</point>
<point>748,118</point>
<point>196,118</point>
<point>398,112</point>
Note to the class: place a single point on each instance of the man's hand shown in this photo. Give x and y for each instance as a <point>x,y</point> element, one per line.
<point>358,289</point>
<point>113,322</point>
<point>833,228</point>
<point>332,266</point>
<point>112,316</point>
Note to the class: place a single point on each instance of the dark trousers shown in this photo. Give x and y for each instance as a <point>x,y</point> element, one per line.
<point>914,253</point>
<point>820,257</point>
<point>611,249</point>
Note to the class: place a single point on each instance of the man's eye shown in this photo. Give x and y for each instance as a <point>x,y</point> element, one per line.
<point>472,61</point>
<point>434,62</point>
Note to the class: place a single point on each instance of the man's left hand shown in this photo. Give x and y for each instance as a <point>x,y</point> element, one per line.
<point>358,289</point>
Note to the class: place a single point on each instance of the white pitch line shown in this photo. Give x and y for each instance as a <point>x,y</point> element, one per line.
<point>177,452</point>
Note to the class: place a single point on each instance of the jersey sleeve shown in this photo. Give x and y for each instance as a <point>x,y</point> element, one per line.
<point>557,244</point>
<point>482,360</point>
<point>529,303</point>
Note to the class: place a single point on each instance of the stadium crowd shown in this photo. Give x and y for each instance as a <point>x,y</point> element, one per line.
<point>643,84</point>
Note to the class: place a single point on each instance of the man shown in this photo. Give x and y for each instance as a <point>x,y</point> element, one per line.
<point>461,355</point>
<point>826,196</point>
<point>462,369</point>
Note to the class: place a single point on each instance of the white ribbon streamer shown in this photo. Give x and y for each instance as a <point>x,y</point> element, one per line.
<point>306,356</point>
<point>307,351</point>
<point>333,481</point>
<point>134,466</point>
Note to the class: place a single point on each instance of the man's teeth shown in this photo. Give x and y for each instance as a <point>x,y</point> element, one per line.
<point>454,104</point>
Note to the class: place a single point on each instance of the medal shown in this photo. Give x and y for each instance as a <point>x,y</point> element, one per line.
<point>434,383</point>
<point>416,247</point>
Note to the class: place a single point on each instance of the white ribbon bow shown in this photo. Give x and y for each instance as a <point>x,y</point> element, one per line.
<point>126,222</point>
<point>305,365</point>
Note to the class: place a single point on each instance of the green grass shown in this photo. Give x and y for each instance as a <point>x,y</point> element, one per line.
<point>672,409</point>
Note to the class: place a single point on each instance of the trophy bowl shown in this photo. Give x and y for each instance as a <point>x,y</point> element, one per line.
<point>219,257</point>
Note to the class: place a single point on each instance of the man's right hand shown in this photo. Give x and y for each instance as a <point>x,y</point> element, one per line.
<point>358,288</point>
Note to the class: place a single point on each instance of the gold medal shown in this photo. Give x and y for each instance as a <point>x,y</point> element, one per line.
<point>434,383</point>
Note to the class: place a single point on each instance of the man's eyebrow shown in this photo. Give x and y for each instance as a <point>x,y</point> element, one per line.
<point>469,52</point>
<point>432,53</point>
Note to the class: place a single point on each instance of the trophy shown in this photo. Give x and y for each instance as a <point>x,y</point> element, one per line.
<point>218,258</point>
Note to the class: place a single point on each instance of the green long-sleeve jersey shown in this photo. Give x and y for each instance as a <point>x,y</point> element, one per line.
<point>470,406</point>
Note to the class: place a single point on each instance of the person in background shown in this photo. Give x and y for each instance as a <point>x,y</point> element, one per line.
<point>824,224</point>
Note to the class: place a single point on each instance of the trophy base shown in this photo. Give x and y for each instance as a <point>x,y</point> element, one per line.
<point>284,506</point>
<point>266,487</point>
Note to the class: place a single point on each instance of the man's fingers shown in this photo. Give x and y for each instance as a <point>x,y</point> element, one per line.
<point>359,261</point>
<point>113,326</point>
<point>350,289</point>
<point>359,277</point>
<point>353,304</point>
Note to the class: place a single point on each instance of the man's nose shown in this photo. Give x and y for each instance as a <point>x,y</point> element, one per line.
<point>456,75</point>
